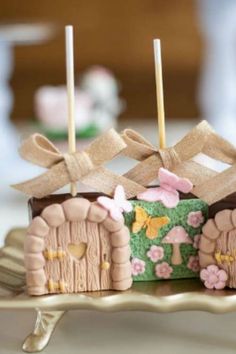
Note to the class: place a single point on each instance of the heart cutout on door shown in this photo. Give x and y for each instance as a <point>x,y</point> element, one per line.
<point>77,251</point>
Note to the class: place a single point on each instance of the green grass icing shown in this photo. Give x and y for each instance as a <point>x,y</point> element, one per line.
<point>178,216</point>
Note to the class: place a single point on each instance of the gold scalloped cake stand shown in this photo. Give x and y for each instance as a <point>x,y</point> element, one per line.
<point>161,296</point>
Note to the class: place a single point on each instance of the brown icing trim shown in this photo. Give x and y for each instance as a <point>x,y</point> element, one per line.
<point>37,205</point>
<point>75,210</point>
<point>226,203</point>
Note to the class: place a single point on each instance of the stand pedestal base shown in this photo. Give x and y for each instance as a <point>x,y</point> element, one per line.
<point>45,324</point>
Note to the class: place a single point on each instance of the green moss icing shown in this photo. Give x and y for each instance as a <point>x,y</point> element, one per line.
<point>178,216</point>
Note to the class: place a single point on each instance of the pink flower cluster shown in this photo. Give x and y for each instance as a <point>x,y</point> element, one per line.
<point>195,219</point>
<point>163,270</point>
<point>156,253</point>
<point>137,266</point>
<point>213,277</point>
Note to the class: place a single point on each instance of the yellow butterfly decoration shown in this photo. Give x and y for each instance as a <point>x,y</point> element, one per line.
<point>152,224</point>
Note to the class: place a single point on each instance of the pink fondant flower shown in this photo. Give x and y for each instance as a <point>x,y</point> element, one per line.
<point>195,219</point>
<point>156,253</point>
<point>196,241</point>
<point>214,277</point>
<point>138,266</point>
<point>163,270</point>
<point>193,263</point>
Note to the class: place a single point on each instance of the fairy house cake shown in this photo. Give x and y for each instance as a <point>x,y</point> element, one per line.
<point>130,231</point>
<point>127,232</point>
<point>76,246</point>
<point>165,231</point>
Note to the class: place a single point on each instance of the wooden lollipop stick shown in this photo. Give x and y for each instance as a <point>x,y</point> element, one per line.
<point>71,96</point>
<point>159,93</point>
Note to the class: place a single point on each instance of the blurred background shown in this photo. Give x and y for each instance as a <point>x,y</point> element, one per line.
<point>117,35</point>
<point>197,47</point>
<point>114,70</point>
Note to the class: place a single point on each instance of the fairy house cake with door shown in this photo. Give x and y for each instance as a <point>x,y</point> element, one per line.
<point>77,246</point>
<point>130,231</point>
<point>105,241</point>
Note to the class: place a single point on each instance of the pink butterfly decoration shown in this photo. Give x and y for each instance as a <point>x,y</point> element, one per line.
<point>167,193</point>
<point>116,205</point>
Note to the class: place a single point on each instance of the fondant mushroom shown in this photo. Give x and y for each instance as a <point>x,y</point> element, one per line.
<point>176,236</point>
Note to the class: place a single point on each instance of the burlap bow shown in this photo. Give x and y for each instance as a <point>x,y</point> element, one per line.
<point>209,185</point>
<point>85,166</point>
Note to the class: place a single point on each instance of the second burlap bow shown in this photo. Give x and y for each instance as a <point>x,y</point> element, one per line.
<point>208,184</point>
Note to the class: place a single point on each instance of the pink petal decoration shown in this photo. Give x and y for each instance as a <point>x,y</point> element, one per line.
<point>117,205</point>
<point>195,219</point>
<point>155,253</point>
<point>120,199</point>
<point>137,266</point>
<point>214,277</point>
<point>110,206</point>
<point>163,270</point>
<point>173,182</point>
<point>169,199</point>
<point>167,193</point>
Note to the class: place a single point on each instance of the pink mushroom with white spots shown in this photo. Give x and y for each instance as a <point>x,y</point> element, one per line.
<point>175,237</point>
